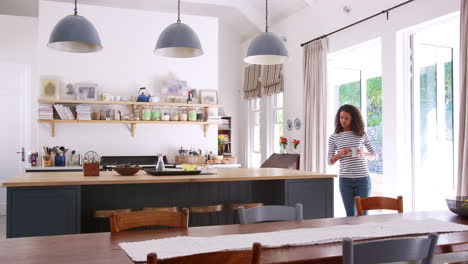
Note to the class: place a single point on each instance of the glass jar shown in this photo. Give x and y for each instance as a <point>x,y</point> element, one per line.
<point>95,115</point>
<point>200,114</point>
<point>136,114</point>
<point>146,113</point>
<point>192,114</point>
<point>155,113</point>
<point>183,116</point>
<point>166,114</point>
<point>175,114</point>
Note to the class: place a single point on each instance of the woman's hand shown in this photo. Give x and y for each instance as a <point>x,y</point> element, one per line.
<point>344,152</point>
<point>367,155</point>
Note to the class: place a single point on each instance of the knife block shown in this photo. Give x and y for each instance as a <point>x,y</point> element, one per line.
<point>47,161</point>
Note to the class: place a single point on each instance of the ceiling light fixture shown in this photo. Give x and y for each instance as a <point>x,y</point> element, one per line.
<point>76,34</point>
<point>267,48</point>
<point>178,40</point>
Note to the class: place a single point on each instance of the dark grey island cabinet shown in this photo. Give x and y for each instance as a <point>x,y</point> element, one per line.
<point>67,209</point>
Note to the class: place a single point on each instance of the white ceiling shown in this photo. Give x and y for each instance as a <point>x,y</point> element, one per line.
<point>247,17</point>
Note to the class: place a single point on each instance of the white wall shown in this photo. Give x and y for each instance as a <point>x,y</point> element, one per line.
<point>18,46</point>
<point>230,86</point>
<point>126,63</point>
<point>326,17</point>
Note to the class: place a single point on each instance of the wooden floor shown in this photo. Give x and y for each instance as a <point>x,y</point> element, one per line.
<point>2,227</point>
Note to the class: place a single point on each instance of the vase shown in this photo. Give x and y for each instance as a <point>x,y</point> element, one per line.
<point>282,149</point>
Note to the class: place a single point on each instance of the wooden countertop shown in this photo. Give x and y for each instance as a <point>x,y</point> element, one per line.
<point>111,177</point>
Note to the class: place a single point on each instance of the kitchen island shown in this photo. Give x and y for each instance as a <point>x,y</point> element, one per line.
<point>53,203</point>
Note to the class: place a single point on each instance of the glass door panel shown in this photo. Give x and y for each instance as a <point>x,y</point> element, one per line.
<point>433,147</point>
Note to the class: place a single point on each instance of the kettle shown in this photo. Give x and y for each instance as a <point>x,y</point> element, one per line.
<point>143,95</point>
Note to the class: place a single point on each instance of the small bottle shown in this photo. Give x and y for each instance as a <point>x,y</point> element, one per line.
<point>183,114</point>
<point>189,98</point>
<point>192,114</point>
<point>165,114</point>
<point>200,115</point>
<point>174,114</point>
<point>146,113</point>
<point>155,114</point>
<point>136,114</point>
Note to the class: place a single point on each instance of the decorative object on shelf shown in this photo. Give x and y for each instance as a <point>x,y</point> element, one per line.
<point>295,143</point>
<point>143,95</point>
<point>70,92</point>
<point>267,48</point>
<point>289,124</point>
<point>221,141</point>
<point>75,34</point>
<point>87,91</point>
<point>283,143</point>
<point>178,40</point>
<point>208,96</point>
<point>174,88</point>
<point>297,123</point>
<point>50,87</point>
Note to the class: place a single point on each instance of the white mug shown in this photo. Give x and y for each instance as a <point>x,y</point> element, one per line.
<point>354,152</point>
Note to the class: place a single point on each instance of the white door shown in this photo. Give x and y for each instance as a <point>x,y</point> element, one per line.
<point>14,113</point>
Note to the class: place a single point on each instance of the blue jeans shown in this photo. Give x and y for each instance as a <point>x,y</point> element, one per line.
<point>351,187</point>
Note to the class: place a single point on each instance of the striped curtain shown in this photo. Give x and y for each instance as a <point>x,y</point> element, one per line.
<point>272,79</point>
<point>252,86</point>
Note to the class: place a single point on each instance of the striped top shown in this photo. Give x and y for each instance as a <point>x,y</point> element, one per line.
<point>350,167</point>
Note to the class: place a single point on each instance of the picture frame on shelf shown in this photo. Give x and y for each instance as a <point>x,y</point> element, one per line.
<point>50,87</point>
<point>87,91</point>
<point>208,96</point>
<point>174,88</point>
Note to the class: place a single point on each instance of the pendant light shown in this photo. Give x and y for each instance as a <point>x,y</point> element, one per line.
<point>267,48</point>
<point>178,40</point>
<point>76,34</point>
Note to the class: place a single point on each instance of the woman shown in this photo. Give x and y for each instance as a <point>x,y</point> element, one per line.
<point>346,145</point>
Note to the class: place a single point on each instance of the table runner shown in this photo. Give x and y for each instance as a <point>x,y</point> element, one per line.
<point>184,245</point>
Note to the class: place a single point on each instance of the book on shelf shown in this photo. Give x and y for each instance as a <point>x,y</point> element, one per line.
<point>213,119</point>
<point>83,112</point>
<point>45,112</point>
<point>64,112</point>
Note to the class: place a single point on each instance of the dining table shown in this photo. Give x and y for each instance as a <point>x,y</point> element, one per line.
<point>101,248</point>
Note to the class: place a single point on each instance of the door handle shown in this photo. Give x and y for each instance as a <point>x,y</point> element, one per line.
<point>22,154</point>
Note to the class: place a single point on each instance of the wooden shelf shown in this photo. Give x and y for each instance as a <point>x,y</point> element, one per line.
<point>46,101</point>
<point>132,123</point>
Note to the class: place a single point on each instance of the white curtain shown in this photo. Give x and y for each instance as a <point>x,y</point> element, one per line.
<point>315,106</point>
<point>462,187</point>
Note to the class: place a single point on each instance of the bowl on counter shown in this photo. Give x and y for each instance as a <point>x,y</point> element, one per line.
<point>127,171</point>
<point>458,205</point>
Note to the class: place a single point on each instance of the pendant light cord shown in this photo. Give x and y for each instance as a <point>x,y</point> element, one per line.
<point>266,16</point>
<point>76,9</point>
<point>178,12</point>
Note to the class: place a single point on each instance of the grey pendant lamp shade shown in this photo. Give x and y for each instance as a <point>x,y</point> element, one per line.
<point>267,48</point>
<point>76,34</point>
<point>178,40</point>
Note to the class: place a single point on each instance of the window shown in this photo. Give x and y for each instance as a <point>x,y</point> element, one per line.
<point>356,80</point>
<point>254,133</point>
<point>277,120</point>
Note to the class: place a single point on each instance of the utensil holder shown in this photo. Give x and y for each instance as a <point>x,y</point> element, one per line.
<point>47,161</point>
<point>60,160</point>
<point>91,169</point>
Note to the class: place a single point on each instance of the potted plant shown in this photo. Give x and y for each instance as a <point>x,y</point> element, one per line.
<point>295,143</point>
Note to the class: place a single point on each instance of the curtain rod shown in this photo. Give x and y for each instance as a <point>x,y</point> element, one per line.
<point>360,21</point>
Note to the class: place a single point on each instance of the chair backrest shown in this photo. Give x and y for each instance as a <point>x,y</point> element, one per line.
<point>390,250</point>
<point>285,161</point>
<point>269,213</point>
<point>124,221</point>
<point>377,202</point>
<point>225,257</point>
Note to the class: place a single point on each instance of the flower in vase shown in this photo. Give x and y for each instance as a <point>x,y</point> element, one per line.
<point>295,143</point>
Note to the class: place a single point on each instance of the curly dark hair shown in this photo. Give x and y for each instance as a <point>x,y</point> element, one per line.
<point>357,125</point>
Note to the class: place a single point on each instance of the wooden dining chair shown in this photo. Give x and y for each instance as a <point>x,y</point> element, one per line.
<point>377,202</point>
<point>390,250</point>
<point>270,213</point>
<point>121,222</point>
<point>225,257</point>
